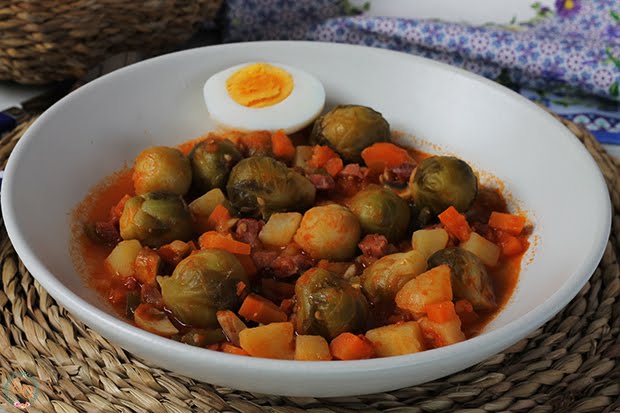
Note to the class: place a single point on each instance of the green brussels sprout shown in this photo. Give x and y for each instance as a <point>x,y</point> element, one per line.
<point>443,181</point>
<point>201,285</point>
<point>260,185</point>
<point>211,162</point>
<point>470,279</point>
<point>328,305</point>
<point>162,169</point>
<point>329,232</point>
<point>349,129</point>
<point>155,219</point>
<point>381,211</point>
<point>385,277</point>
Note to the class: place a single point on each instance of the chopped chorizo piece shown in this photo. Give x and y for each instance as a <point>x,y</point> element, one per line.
<point>247,230</point>
<point>286,266</point>
<point>321,181</point>
<point>398,175</point>
<point>150,294</point>
<point>174,252</point>
<point>263,258</point>
<point>374,245</point>
<point>103,232</point>
<point>354,170</point>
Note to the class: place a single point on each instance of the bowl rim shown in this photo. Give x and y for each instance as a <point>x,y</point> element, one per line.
<point>496,340</point>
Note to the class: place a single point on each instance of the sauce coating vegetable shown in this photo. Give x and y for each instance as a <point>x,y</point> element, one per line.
<point>346,249</point>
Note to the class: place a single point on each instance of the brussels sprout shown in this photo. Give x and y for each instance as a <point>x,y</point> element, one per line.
<point>155,219</point>
<point>385,277</point>
<point>212,161</point>
<point>328,305</point>
<point>470,279</point>
<point>443,181</point>
<point>162,169</point>
<point>259,186</point>
<point>201,285</point>
<point>329,232</point>
<point>348,129</point>
<point>381,211</point>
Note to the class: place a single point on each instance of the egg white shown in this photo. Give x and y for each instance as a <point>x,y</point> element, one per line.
<point>298,110</point>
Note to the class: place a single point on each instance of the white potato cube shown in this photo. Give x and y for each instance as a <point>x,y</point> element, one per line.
<point>484,249</point>
<point>429,241</point>
<point>121,259</point>
<point>280,229</point>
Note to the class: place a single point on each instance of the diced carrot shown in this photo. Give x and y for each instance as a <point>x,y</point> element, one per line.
<point>510,244</point>
<point>232,349</point>
<point>174,252</point>
<point>512,224</point>
<point>320,156</point>
<point>348,346</point>
<point>117,210</point>
<point>248,265</point>
<point>215,240</point>
<point>384,154</point>
<point>241,288</point>
<point>287,305</point>
<point>282,146</point>
<point>324,264</point>
<point>146,266</point>
<point>261,310</point>
<point>455,223</point>
<point>465,310</point>
<point>333,166</point>
<point>218,218</point>
<point>441,312</point>
<point>257,142</point>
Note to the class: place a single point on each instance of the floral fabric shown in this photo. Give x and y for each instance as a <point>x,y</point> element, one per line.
<point>558,57</point>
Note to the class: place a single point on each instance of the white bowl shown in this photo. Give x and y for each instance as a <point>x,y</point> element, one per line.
<point>103,125</point>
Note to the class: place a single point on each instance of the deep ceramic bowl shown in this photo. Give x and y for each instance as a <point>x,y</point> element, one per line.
<point>105,124</point>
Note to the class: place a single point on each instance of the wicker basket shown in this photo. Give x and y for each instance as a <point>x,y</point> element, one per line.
<point>50,40</point>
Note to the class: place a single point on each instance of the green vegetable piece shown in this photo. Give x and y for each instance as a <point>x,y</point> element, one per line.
<point>328,305</point>
<point>381,211</point>
<point>443,181</point>
<point>201,285</point>
<point>470,279</point>
<point>349,129</point>
<point>155,219</point>
<point>260,185</point>
<point>212,161</point>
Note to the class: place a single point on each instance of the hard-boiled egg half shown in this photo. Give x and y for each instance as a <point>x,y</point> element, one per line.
<point>264,96</point>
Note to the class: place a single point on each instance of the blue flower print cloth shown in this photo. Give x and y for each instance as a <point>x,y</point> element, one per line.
<point>566,57</point>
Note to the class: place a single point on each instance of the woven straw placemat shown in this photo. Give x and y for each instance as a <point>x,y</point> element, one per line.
<point>571,364</point>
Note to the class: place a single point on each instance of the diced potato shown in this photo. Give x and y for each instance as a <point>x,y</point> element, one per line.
<point>273,341</point>
<point>280,228</point>
<point>302,155</point>
<point>442,334</point>
<point>433,286</point>
<point>397,339</point>
<point>121,260</point>
<point>484,249</point>
<point>204,205</point>
<point>231,325</point>
<point>154,320</point>
<point>311,348</point>
<point>429,241</point>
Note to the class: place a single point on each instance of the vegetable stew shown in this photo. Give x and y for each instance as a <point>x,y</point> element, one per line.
<point>332,243</point>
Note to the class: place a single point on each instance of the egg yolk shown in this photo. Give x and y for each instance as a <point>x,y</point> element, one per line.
<point>259,85</point>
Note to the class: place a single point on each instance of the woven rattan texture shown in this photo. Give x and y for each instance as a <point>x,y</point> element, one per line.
<point>50,40</point>
<point>571,364</point>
